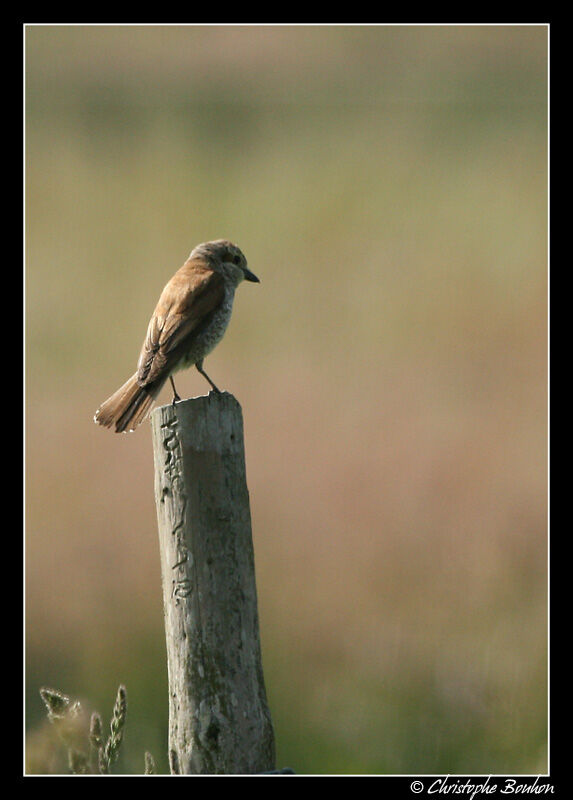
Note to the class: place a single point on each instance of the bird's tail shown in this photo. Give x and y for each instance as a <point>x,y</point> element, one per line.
<point>127,407</point>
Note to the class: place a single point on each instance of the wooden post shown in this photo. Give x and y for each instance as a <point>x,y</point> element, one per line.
<point>219,721</point>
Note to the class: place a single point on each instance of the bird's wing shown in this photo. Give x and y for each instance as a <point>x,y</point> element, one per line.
<point>191,295</point>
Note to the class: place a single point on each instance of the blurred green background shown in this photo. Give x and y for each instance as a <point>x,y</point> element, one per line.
<point>388,186</point>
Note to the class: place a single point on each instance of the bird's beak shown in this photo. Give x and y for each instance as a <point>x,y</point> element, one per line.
<point>249,276</point>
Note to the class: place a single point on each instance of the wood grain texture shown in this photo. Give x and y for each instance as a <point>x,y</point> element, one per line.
<point>219,720</point>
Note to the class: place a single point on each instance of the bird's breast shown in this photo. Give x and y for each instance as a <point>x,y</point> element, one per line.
<point>208,335</point>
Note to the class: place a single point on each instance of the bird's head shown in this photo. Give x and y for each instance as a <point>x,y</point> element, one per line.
<point>223,255</point>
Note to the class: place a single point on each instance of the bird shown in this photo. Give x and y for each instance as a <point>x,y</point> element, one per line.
<point>190,319</point>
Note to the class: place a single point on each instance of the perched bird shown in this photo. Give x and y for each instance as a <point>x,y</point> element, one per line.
<point>190,318</point>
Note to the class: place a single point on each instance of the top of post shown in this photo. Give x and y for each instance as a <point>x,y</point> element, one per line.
<point>206,421</point>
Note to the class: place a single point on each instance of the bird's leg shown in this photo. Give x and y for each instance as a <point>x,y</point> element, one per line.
<point>176,397</point>
<point>199,366</point>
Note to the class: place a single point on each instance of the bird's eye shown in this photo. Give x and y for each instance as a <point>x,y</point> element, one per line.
<point>236,260</point>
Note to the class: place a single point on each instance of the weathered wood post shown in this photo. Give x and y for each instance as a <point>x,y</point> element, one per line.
<point>219,721</point>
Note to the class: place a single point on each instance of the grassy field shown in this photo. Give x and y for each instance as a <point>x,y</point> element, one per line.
<point>388,186</point>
